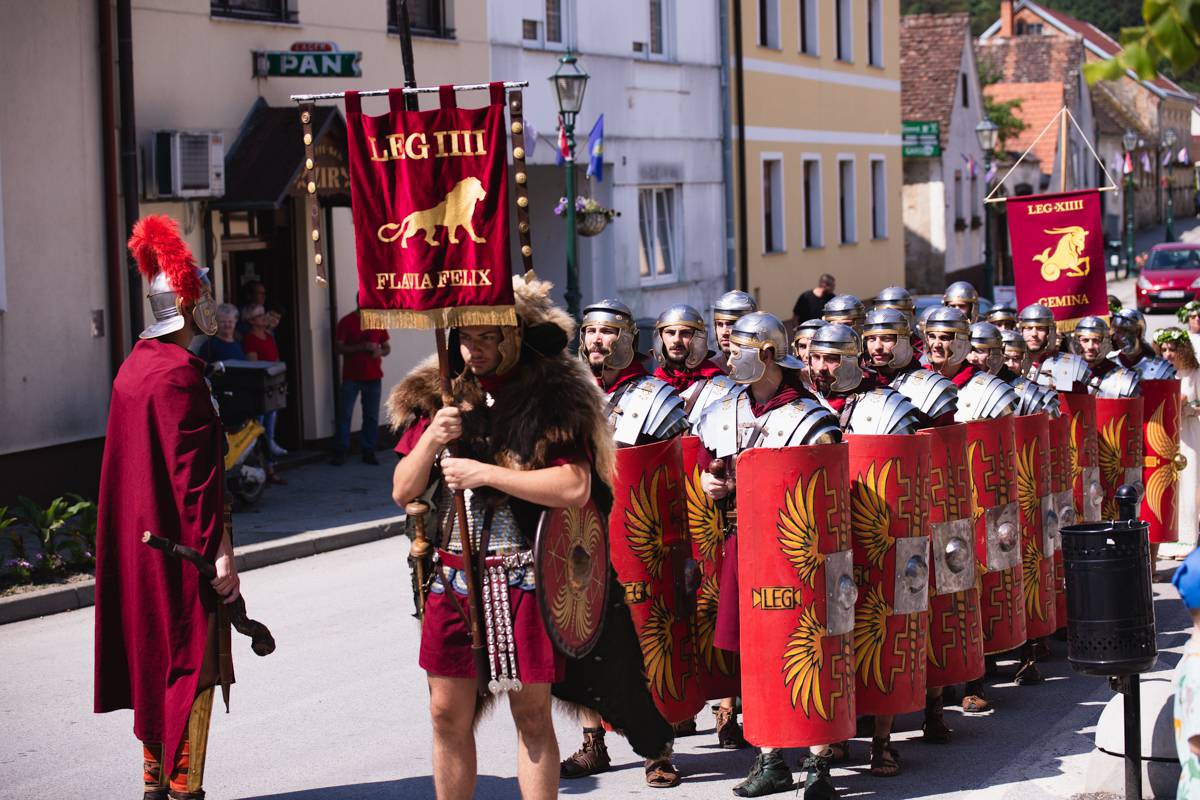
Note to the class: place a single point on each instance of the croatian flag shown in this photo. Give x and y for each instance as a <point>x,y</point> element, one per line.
<point>563,150</point>
<point>596,150</point>
<point>1128,167</point>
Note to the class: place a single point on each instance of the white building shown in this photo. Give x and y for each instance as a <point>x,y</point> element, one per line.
<point>655,75</point>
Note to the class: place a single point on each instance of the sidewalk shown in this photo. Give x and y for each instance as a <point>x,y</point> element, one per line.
<point>322,508</point>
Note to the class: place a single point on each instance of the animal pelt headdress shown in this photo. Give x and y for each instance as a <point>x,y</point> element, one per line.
<point>547,401</point>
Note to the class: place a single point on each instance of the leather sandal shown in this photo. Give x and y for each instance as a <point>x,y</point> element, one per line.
<point>885,760</point>
<point>974,704</point>
<point>729,732</point>
<point>769,774</point>
<point>661,773</point>
<point>934,729</point>
<point>685,728</point>
<point>590,759</point>
<point>1029,675</point>
<point>839,752</point>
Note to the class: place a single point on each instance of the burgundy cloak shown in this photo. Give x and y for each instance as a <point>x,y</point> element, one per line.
<point>162,472</point>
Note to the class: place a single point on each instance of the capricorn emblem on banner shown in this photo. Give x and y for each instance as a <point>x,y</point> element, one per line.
<point>1066,256</point>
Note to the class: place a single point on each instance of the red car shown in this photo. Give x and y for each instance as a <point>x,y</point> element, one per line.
<point>1170,278</point>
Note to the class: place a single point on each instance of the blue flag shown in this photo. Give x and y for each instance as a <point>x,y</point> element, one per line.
<point>596,150</point>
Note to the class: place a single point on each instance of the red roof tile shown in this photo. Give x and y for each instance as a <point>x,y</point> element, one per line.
<point>930,56</point>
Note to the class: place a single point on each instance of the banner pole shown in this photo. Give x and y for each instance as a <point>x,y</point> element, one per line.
<point>1062,150</point>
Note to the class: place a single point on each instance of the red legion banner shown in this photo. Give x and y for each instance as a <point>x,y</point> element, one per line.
<point>1058,253</point>
<point>429,191</point>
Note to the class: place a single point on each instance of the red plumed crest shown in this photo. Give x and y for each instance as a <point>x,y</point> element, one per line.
<point>157,247</point>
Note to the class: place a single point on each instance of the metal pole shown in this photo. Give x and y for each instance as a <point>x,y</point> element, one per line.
<point>739,88</point>
<point>1130,222</point>
<point>1062,150</point>
<point>129,158</point>
<point>572,294</point>
<point>989,267</point>
<point>458,87</point>
<point>1131,687</point>
<point>1170,204</point>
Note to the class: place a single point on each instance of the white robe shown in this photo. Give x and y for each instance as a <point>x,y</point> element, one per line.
<point>1189,446</point>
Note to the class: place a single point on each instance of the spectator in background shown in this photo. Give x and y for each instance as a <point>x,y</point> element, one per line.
<point>362,353</point>
<point>254,293</point>
<point>259,345</point>
<point>1176,347</point>
<point>1187,682</point>
<point>1190,315</point>
<point>811,304</point>
<point>224,346</point>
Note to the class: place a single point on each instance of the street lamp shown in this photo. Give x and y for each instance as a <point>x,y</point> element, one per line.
<point>570,82</point>
<point>987,132</point>
<point>1129,140</point>
<point>1169,140</point>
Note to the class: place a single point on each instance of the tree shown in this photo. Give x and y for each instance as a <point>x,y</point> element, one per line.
<point>1003,113</point>
<point>1170,34</point>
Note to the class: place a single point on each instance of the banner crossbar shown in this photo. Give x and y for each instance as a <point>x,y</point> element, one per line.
<point>458,87</point>
<point>1112,187</point>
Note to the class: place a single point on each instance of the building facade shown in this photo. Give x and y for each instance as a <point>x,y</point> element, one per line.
<point>823,174</point>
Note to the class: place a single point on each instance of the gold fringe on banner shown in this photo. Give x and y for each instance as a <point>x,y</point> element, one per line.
<point>455,317</point>
<point>1068,325</point>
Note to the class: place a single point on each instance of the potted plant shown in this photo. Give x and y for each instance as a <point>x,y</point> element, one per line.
<point>590,217</point>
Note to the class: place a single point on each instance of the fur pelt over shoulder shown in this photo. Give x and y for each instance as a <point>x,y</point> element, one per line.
<point>547,401</point>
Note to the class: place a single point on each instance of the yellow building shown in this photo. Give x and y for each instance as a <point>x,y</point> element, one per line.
<point>821,133</point>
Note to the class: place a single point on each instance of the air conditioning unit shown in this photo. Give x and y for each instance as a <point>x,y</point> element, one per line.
<point>185,164</point>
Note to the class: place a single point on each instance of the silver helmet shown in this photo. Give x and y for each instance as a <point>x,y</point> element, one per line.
<point>1092,326</point>
<point>615,314</point>
<point>925,315</point>
<point>754,333</point>
<point>985,397</point>
<point>804,332</point>
<point>1128,328</point>
<point>933,394</point>
<point>846,309</point>
<point>944,319</point>
<point>1038,316</point>
<point>888,320</point>
<point>1001,314</point>
<point>896,297</point>
<point>882,412</point>
<point>682,315</point>
<point>839,340</point>
<point>963,292</point>
<point>168,316</point>
<point>987,337</point>
<point>734,305</point>
<point>1015,347</point>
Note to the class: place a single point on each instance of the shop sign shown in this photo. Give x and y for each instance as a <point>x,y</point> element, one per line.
<point>308,60</point>
<point>920,139</point>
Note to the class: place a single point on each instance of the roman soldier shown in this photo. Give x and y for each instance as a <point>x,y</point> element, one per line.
<point>947,344</point>
<point>1133,351</point>
<point>845,309</point>
<point>159,625</point>
<point>769,408</point>
<point>1003,316</point>
<point>802,336</point>
<point>641,410</point>
<point>987,351</point>
<point>1016,353</point>
<point>899,298</point>
<point>1092,342</point>
<point>728,309</point>
<point>963,296</point>
<point>1037,326</point>
<point>681,349</point>
<point>529,434</point>
<point>887,343</point>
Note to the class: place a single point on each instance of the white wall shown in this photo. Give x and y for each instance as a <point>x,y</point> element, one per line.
<point>964,248</point>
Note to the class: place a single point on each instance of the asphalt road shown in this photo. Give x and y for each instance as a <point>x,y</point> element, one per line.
<point>339,712</point>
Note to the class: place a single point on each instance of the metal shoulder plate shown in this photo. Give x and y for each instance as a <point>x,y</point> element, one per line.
<point>1155,369</point>
<point>707,393</point>
<point>883,411</point>
<point>930,392</point>
<point>800,423</point>
<point>718,425</point>
<point>1119,383</point>
<point>648,408</point>
<point>1062,371</point>
<point>1034,399</point>
<point>985,397</point>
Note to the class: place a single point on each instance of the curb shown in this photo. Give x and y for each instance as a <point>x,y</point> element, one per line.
<point>54,599</point>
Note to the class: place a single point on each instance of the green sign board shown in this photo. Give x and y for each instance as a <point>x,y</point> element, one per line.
<point>920,139</point>
<point>293,64</point>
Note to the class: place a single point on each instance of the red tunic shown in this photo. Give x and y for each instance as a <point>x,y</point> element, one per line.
<point>682,379</point>
<point>634,370</point>
<point>960,379</point>
<point>163,472</point>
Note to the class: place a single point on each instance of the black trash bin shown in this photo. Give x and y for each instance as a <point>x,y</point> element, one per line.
<point>1110,601</point>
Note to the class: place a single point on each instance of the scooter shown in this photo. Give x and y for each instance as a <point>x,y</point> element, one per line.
<point>245,460</point>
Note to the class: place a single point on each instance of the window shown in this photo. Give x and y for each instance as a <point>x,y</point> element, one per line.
<point>813,218</point>
<point>768,23</point>
<point>425,18</point>
<point>845,33</point>
<point>772,183</point>
<point>846,216</point>
<point>966,95</point>
<point>808,27</point>
<point>959,221</point>
<point>975,221</point>
<point>657,223</point>
<point>658,28</point>
<point>3,280</point>
<point>554,26</point>
<point>1029,28</point>
<point>878,198</point>
<point>264,10</point>
<point>875,32</point>
<point>555,30</point>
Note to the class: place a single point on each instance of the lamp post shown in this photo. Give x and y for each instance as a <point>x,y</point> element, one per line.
<point>987,132</point>
<point>1169,145</point>
<point>569,84</point>
<point>1129,140</point>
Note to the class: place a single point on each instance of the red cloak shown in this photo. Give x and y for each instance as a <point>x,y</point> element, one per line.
<point>163,472</point>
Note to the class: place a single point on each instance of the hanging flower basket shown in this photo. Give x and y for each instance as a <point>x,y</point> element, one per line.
<point>591,218</point>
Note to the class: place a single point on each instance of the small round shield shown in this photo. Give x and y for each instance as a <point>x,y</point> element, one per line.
<point>571,559</point>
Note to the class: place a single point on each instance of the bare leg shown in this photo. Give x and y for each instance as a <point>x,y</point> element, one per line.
<point>452,707</point>
<point>590,718</point>
<point>885,761</point>
<point>537,747</point>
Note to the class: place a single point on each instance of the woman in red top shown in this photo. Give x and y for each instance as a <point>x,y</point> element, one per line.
<point>259,345</point>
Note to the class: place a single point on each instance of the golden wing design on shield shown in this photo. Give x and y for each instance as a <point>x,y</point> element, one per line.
<point>870,632</point>
<point>872,518</point>
<point>1027,488</point>
<point>976,506</point>
<point>1166,474</point>
<point>1110,451</point>
<point>802,664</point>
<point>644,525</point>
<point>798,529</point>
<point>1033,578</point>
<point>706,618</point>
<point>1076,424</point>
<point>1109,511</point>
<point>704,521</point>
<point>657,643</point>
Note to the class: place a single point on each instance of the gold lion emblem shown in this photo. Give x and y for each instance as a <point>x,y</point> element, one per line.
<point>1066,257</point>
<point>452,213</point>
